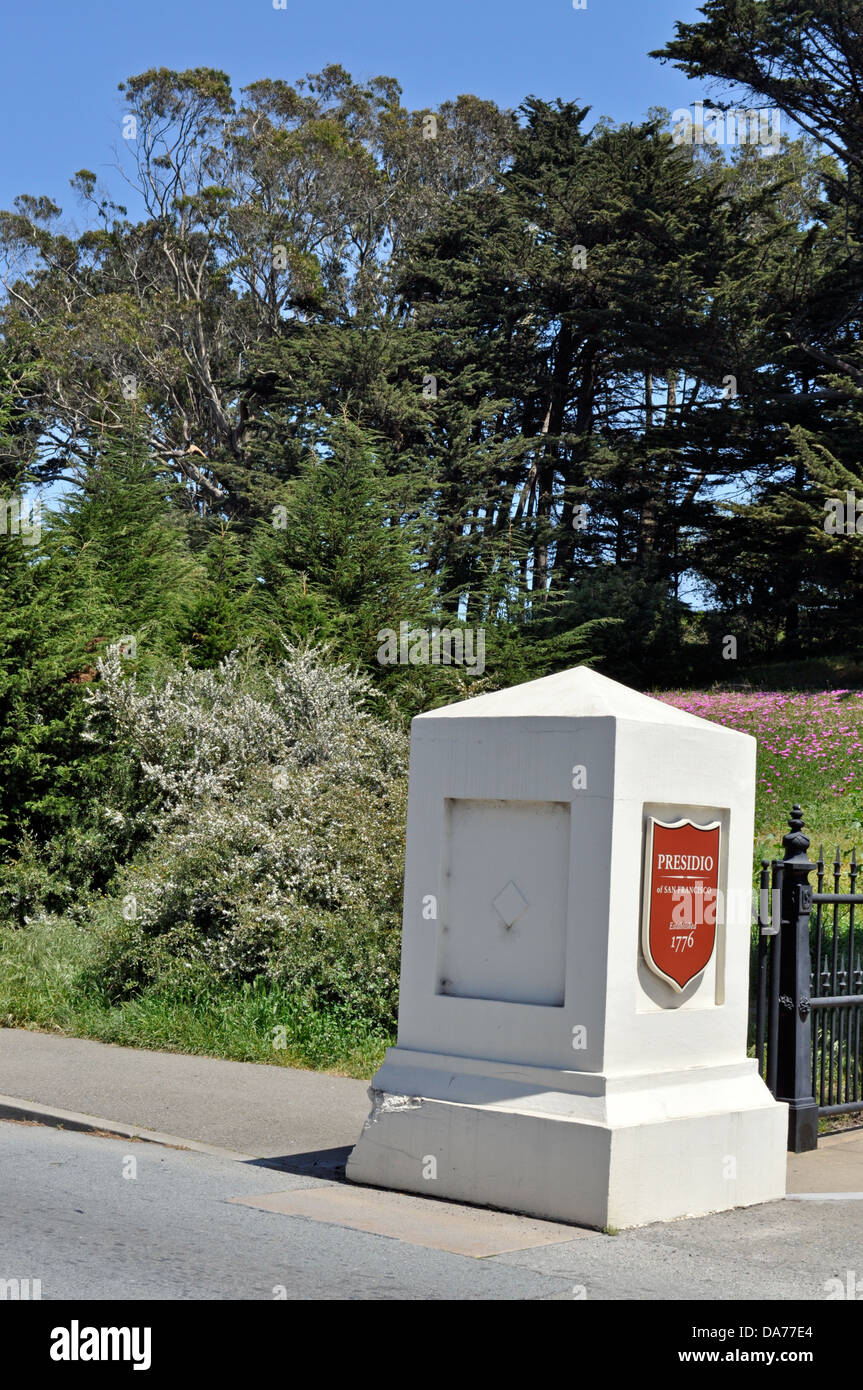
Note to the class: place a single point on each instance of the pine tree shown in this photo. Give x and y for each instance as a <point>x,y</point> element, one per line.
<point>27,737</point>
<point>338,562</point>
<point>221,618</point>
<point>112,565</point>
<point>119,561</point>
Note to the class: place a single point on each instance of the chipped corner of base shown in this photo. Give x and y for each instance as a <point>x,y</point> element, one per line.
<point>364,1163</point>
<point>384,1103</point>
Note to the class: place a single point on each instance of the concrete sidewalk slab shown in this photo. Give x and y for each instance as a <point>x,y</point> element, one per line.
<point>252,1108</point>
<point>835,1166</point>
<point>462,1230</point>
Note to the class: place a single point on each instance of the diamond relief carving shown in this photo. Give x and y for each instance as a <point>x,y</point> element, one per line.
<point>510,903</point>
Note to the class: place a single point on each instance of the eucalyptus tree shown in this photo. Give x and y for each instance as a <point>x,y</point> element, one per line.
<point>253,217</point>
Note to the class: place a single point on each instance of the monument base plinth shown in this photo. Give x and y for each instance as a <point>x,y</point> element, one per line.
<point>574,1147</point>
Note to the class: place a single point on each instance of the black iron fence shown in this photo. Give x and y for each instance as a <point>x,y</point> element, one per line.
<point>809,987</point>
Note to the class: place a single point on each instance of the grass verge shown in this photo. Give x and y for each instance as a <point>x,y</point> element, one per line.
<point>40,969</point>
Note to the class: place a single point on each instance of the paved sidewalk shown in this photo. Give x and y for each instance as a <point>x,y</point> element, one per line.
<point>307,1119</point>
<point>253,1109</point>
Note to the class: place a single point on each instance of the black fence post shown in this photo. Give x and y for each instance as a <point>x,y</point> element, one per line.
<point>761,975</point>
<point>794,1049</point>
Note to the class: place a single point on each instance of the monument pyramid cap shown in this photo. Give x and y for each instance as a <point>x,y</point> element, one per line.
<point>579,693</point>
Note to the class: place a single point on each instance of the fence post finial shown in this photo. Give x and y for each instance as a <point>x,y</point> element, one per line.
<point>795,842</point>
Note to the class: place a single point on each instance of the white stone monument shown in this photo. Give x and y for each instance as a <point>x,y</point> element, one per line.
<point>575,974</point>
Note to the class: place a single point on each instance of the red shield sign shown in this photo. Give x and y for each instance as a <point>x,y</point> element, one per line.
<point>681,882</point>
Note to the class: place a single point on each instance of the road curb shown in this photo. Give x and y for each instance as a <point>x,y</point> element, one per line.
<point>13,1108</point>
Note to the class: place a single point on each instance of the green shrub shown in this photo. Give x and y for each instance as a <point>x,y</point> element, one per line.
<point>277,837</point>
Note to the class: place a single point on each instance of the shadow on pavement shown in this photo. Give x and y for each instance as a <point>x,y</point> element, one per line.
<point>323,1163</point>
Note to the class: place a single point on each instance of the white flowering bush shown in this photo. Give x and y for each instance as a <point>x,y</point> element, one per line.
<point>276,804</point>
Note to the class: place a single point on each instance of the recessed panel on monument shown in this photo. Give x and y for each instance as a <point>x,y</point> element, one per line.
<point>503,901</point>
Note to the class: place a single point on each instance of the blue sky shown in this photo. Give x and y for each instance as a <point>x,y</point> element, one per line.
<point>60,109</point>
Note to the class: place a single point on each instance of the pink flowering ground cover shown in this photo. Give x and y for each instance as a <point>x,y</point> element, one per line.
<point>809,750</point>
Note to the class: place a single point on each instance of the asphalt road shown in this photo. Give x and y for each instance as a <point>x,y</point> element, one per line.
<point>70,1218</point>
